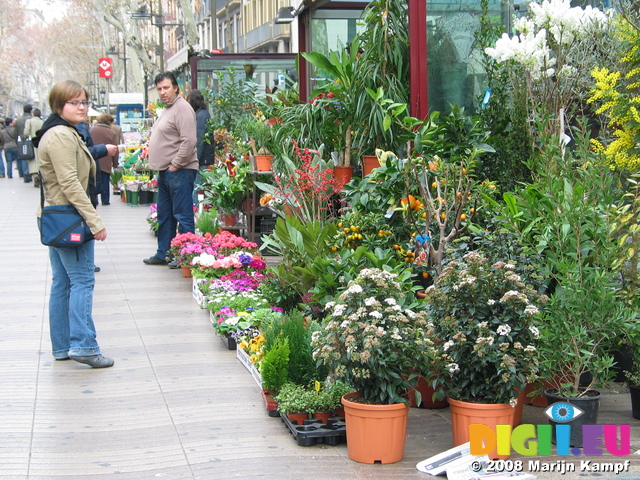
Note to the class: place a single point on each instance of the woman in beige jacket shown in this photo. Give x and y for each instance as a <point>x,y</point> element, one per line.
<point>68,170</point>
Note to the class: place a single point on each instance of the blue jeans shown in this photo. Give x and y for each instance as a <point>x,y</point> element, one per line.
<point>175,206</point>
<point>104,186</point>
<point>23,168</point>
<point>11,154</point>
<point>71,301</point>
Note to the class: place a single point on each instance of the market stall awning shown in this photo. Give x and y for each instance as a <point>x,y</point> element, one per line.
<point>93,112</point>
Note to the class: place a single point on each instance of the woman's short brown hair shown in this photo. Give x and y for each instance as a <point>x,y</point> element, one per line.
<point>105,118</point>
<point>64,91</point>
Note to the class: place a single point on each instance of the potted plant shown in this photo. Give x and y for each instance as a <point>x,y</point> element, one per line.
<point>374,344</point>
<point>296,402</point>
<point>274,371</point>
<point>114,179</point>
<point>224,188</point>
<point>485,317</point>
<point>227,321</point>
<point>259,132</point>
<point>588,315</point>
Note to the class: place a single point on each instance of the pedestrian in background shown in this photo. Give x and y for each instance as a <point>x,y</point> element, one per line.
<point>67,168</point>
<point>2,171</point>
<point>23,166</point>
<point>9,145</point>
<point>205,150</point>
<point>101,133</point>
<point>31,127</point>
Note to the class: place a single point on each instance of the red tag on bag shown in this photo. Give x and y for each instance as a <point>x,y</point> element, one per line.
<point>75,237</point>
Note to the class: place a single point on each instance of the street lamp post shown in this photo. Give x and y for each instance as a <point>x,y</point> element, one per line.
<point>157,20</point>
<point>112,51</point>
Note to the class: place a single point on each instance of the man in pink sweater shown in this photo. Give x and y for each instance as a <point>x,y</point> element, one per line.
<point>172,151</point>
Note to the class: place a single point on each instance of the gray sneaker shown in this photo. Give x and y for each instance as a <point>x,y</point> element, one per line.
<point>95,361</point>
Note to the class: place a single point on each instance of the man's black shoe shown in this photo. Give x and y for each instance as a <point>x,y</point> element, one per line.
<point>173,264</point>
<point>155,261</point>
<point>96,268</point>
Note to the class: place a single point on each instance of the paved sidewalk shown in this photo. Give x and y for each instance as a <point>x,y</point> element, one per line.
<point>177,404</point>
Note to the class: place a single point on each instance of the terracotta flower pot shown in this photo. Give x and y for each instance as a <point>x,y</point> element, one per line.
<point>299,418</point>
<point>375,433</point>
<point>323,416</point>
<point>186,271</point>
<point>464,414</point>
<point>369,162</point>
<point>230,219</point>
<point>343,175</point>
<point>263,162</point>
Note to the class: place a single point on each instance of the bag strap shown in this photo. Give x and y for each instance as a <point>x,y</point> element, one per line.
<point>41,190</point>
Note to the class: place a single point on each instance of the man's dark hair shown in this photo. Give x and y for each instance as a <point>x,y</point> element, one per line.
<point>167,75</point>
<point>27,108</point>
<point>37,112</point>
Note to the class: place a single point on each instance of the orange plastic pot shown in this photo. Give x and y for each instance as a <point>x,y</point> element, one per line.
<point>299,418</point>
<point>230,219</point>
<point>369,162</point>
<point>323,416</point>
<point>263,162</point>
<point>464,414</point>
<point>186,271</point>
<point>375,433</point>
<point>343,175</point>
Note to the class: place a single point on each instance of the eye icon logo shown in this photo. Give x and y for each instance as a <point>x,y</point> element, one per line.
<point>562,412</point>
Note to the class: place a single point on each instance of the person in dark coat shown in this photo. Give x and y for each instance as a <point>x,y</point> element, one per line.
<point>102,133</point>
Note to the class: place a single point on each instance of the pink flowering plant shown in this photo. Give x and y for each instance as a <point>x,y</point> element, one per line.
<point>226,243</point>
<point>213,266</point>
<point>484,318</point>
<point>370,341</point>
<point>186,246</point>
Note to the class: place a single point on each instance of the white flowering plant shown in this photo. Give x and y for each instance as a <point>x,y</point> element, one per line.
<point>370,341</point>
<point>485,324</point>
<point>555,45</point>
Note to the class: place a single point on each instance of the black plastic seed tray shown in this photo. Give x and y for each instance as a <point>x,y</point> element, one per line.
<point>314,431</point>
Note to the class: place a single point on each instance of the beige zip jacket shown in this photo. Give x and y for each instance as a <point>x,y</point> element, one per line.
<point>65,164</point>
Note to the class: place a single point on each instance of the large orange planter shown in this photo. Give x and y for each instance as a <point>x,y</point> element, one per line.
<point>464,414</point>
<point>375,433</point>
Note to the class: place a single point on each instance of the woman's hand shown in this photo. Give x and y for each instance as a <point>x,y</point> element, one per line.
<point>101,235</point>
<point>112,149</point>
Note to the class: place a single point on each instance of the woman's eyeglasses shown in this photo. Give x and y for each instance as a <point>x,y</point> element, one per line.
<point>77,103</point>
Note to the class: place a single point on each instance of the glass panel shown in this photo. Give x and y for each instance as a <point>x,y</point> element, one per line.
<point>333,29</point>
<point>454,60</point>
<point>278,72</point>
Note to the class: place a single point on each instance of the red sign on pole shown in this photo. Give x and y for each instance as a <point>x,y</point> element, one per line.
<point>105,67</point>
